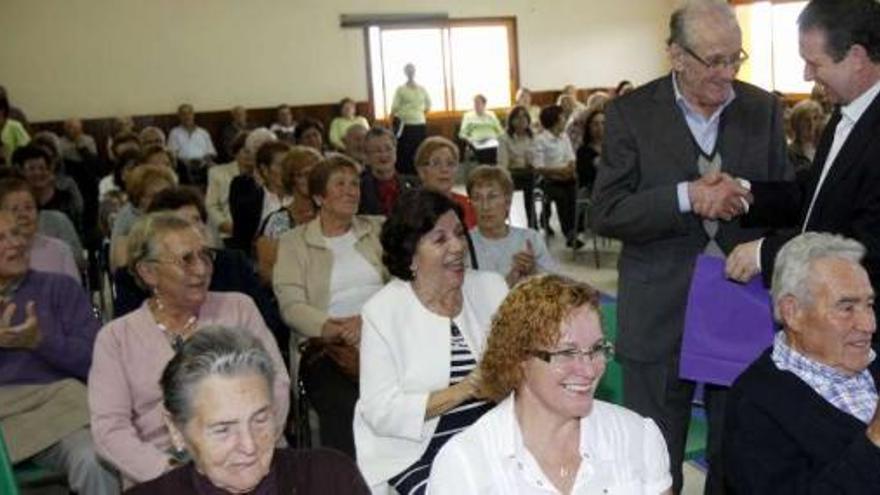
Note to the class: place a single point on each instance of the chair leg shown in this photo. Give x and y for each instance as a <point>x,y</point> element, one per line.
<point>596,251</point>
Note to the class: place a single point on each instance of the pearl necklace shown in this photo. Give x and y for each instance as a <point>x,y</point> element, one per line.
<point>175,339</point>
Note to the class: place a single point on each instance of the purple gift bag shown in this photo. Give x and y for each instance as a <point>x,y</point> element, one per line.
<point>727,325</point>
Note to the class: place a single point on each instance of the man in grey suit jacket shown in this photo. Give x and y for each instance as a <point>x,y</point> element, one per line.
<point>665,189</point>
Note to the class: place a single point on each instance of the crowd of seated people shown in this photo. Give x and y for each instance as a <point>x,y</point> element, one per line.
<point>438,344</point>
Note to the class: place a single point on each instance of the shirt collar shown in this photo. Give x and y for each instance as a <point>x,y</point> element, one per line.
<point>854,109</point>
<point>794,360</point>
<point>685,105</point>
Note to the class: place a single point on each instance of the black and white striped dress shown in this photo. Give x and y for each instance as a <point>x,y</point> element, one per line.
<point>414,479</point>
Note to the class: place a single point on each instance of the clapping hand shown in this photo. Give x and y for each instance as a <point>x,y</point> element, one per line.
<point>523,264</point>
<point>717,195</point>
<point>25,335</point>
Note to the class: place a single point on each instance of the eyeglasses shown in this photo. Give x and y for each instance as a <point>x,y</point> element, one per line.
<point>719,61</point>
<point>188,261</point>
<point>438,163</point>
<point>603,350</point>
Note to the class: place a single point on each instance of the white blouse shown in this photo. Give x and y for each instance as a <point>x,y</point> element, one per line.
<point>621,453</point>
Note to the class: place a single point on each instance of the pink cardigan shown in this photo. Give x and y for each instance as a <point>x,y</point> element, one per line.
<point>124,395</point>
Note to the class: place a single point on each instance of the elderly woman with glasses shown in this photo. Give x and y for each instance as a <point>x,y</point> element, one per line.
<point>544,358</point>
<point>218,394</point>
<point>168,256</point>
<point>437,164</point>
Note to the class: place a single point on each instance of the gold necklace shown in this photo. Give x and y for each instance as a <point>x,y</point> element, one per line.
<point>175,339</point>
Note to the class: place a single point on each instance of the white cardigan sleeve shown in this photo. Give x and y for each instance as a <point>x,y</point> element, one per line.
<point>385,406</point>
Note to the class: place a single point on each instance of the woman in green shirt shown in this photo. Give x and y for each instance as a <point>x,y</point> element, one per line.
<point>347,117</point>
<point>410,105</point>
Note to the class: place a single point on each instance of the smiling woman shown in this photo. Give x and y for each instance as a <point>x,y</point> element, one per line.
<point>544,358</point>
<point>218,394</point>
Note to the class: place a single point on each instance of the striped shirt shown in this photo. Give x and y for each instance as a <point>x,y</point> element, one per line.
<point>853,394</point>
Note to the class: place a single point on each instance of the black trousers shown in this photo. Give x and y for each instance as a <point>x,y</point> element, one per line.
<point>410,139</point>
<point>333,395</point>
<point>524,180</point>
<point>563,193</point>
<point>655,391</point>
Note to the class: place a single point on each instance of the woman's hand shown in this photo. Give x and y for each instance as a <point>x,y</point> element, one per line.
<point>522,265</point>
<point>346,329</point>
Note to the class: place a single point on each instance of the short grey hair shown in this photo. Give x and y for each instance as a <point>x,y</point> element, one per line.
<point>143,239</point>
<point>211,351</point>
<point>794,263</point>
<point>681,20</point>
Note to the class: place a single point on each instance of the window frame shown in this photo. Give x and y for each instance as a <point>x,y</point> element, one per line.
<point>509,22</point>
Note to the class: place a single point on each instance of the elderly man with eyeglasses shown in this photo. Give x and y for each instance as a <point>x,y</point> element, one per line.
<point>665,188</point>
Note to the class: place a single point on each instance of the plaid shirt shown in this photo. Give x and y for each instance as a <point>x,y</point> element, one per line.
<point>852,394</point>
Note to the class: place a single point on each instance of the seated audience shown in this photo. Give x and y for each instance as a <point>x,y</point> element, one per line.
<point>544,358</point>
<point>807,121</point>
<point>295,169</point>
<point>524,99</point>
<point>272,194</point>
<point>158,155</point>
<point>381,185</point>
<point>76,145</point>
<point>152,136</point>
<point>436,163</point>
<point>325,272</point>
<point>346,118</point>
<point>47,332</point>
<point>310,132</point>
<point>513,252</point>
<point>247,194</point>
<point>46,254</point>
<point>219,180</point>
<point>126,154</point>
<point>590,150</point>
<point>571,91</point>
<point>225,377</point>
<point>238,123</point>
<point>284,125</point>
<point>554,160</point>
<point>515,148</point>
<point>192,146</point>
<point>354,144</point>
<point>169,257</point>
<point>141,184</point>
<point>12,133</point>
<point>597,100</point>
<point>480,129</point>
<point>576,126</point>
<point>803,418</point>
<point>37,163</point>
<point>422,336</point>
<point>567,103</point>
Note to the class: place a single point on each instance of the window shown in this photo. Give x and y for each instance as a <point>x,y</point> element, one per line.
<point>770,36</point>
<point>454,62</point>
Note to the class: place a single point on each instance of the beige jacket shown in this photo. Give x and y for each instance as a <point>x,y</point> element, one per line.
<point>301,277</point>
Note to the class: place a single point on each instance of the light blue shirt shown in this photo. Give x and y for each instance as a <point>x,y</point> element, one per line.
<point>703,129</point>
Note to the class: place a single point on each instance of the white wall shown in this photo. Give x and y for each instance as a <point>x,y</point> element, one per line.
<point>97,58</point>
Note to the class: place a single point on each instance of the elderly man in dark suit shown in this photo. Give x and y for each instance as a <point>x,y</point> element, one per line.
<point>803,418</point>
<point>665,189</point>
<point>840,43</point>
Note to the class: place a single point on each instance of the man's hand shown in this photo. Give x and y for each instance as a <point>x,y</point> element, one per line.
<point>742,262</point>
<point>718,196</point>
<point>25,335</point>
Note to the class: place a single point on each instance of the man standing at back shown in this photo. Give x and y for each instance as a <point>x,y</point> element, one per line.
<point>840,44</point>
<point>665,189</point>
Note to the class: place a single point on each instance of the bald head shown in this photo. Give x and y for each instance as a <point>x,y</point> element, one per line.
<point>686,22</point>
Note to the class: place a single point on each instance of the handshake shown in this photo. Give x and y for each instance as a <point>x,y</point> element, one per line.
<point>718,196</point>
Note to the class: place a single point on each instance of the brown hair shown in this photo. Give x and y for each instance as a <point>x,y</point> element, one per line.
<point>139,178</point>
<point>297,159</point>
<point>320,175</point>
<point>484,175</point>
<point>530,318</point>
<point>432,144</point>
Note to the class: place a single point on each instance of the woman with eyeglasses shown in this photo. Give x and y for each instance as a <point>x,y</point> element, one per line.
<point>169,257</point>
<point>544,358</point>
<point>436,163</point>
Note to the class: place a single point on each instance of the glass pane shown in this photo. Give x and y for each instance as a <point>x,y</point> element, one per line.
<point>788,66</point>
<point>480,64</point>
<point>755,22</point>
<point>421,47</point>
<point>376,78</point>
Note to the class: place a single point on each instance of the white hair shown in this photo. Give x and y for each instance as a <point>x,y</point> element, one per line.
<point>795,261</point>
<point>682,20</point>
<point>257,138</point>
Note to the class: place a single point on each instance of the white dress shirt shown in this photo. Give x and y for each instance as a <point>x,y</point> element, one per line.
<point>621,453</point>
<point>552,151</point>
<point>186,145</point>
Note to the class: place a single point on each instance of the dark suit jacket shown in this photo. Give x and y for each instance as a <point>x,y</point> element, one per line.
<point>246,207</point>
<point>370,203</point>
<point>648,150</point>
<point>233,272</point>
<point>781,437</point>
<point>848,202</point>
